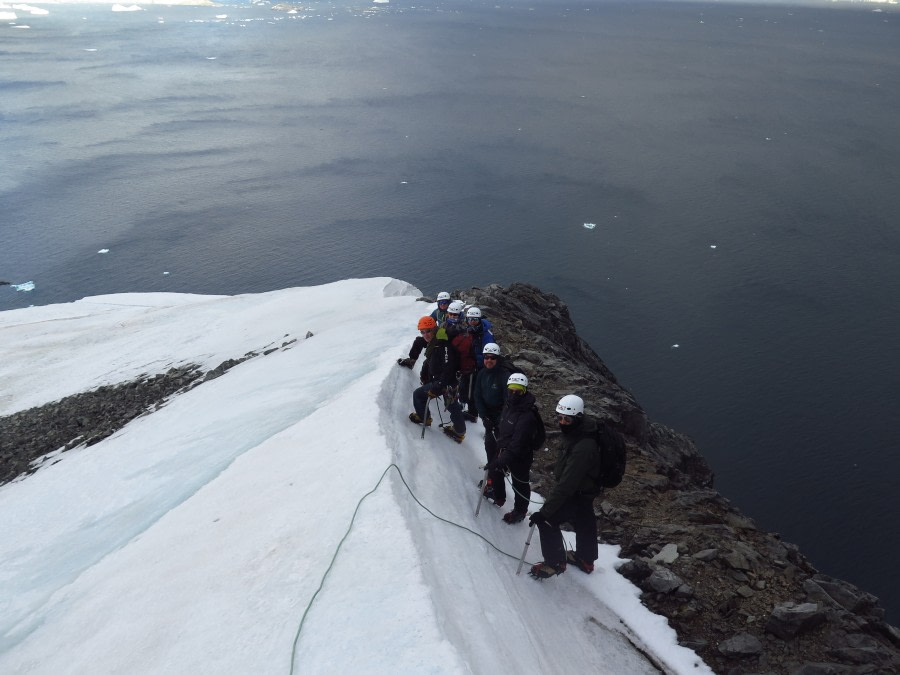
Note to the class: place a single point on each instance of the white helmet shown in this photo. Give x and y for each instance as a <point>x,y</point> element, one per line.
<point>456,307</point>
<point>491,348</point>
<point>443,295</point>
<point>473,313</point>
<point>570,404</point>
<point>517,378</point>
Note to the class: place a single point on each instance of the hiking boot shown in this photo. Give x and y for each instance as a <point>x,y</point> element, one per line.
<point>514,516</point>
<point>544,570</point>
<point>583,565</point>
<point>499,502</point>
<point>415,419</point>
<point>455,435</point>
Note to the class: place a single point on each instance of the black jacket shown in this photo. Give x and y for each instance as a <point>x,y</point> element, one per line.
<point>577,468</point>
<point>442,360</point>
<point>516,424</point>
<point>490,391</point>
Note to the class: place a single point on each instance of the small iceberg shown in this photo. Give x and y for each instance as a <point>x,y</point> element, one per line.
<point>103,250</point>
<point>676,346</point>
<point>381,2</point>
<point>27,286</point>
<point>127,8</point>
<point>590,226</point>
<point>712,245</point>
<point>221,16</point>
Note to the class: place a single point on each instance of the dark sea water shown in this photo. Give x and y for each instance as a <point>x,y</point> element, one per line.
<point>741,164</point>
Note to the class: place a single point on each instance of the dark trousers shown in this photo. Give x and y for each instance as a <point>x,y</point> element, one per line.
<point>491,450</point>
<point>579,511</point>
<point>520,477</point>
<point>420,399</point>
<point>467,392</point>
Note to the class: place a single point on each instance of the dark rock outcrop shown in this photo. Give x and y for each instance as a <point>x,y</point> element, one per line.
<point>745,600</point>
<point>31,438</point>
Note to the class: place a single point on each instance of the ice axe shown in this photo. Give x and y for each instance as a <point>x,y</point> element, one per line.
<point>425,421</point>
<point>525,550</point>
<point>484,483</point>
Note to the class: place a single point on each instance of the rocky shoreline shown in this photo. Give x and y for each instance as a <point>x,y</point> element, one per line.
<point>745,600</point>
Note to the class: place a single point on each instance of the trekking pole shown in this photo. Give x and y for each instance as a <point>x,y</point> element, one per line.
<point>424,421</point>
<point>525,550</point>
<point>481,492</point>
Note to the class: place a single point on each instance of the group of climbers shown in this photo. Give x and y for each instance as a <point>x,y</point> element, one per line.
<point>464,367</point>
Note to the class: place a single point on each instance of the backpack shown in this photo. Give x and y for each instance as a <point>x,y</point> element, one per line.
<point>612,456</point>
<point>538,432</point>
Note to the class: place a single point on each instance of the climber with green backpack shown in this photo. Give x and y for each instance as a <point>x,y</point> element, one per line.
<point>592,458</point>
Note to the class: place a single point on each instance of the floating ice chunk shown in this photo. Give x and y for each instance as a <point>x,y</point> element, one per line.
<point>381,2</point>
<point>590,226</point>
<point>676,346</point>
<point>712,245</point>
<point>211,58</point>
<point>90,49</point>
<point>126,8</point>
<point>7,16</point>
<point>165,273</point>
<point>103,250</point>
<point>37,11</point>
<point>27,286</point>
<point>221,16</point>
<point>404,182</point>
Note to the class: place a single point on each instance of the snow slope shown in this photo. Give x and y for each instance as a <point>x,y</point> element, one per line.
<point>285,517</point>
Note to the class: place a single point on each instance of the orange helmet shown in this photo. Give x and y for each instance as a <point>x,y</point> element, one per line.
<point>427,323</point>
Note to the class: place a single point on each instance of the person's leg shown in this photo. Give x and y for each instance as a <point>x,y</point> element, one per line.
<point>456,416</point>
<point>520,475</point>
<point>420,397</point>
<point>552,547</point>
<point>585,523</point>
<point>497,479</point>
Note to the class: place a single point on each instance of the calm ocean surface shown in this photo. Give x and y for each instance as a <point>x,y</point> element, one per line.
<point>741,164</point>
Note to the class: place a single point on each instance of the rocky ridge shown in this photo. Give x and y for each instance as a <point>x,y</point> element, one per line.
<point>745,600</point>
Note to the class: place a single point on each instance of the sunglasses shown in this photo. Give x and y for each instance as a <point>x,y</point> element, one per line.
<point>489,357</point>
<point>443,302</point>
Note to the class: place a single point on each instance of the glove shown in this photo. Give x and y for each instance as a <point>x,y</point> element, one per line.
<point>406,363</point>
<point>498,463</point>
<point>435,392</point>
<point>537,518</point>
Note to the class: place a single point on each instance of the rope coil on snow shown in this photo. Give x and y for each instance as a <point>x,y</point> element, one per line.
<point>347,533</point>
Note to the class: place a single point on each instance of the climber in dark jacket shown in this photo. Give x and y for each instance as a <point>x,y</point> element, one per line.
<point>439,379</point>
<point>514,432</point>
<point>490,395</point>
<point>571,500</point>
<point>443,301</point>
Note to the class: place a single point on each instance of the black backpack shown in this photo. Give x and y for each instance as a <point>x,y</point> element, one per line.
<point>612,456</point>
<point>538,432</point>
